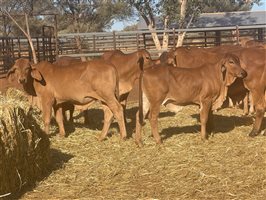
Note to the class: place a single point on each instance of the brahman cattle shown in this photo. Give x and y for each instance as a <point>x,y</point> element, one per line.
<point>80,85</point>
<point>253,61</point>
<point>194,57</point>
<point>205,86</point>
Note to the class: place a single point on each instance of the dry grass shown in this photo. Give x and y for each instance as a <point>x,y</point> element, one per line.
<point>229,165</point>
<point>24,148</point>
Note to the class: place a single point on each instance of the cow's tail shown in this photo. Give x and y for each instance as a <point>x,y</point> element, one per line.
<point>117,85</point>
<point>141,117</point>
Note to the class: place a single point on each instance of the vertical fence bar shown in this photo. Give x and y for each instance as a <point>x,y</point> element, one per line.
<point>19,48</point>
<point>174,38</point>
<point>56,36</point>
<point>114,40</point>
<point>260,34</point>
<point>144,40</point>
<point>217,38</point>
<point>205,39</point>
<point>137,40</point>
<point>94,43</point>
<point>43,43</point>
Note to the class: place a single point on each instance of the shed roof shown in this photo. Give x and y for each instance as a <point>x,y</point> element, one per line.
<point>221,19</point>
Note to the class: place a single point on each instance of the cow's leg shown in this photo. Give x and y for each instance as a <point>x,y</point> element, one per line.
<point>246,104</point>
<point>231,104</point>
<point>204,113</point>
<point>259,102</point>
<point>47,113</point>
<point>117,110</point>
<point>71,113</point>
<point>59,119</point>
<point>209,125</point>
<point>251,105</point>
<point>108,117</point>
<point>123,101</point>
<point>154,113</point>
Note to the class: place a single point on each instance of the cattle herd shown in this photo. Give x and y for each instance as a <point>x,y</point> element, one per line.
<point>182,76</point>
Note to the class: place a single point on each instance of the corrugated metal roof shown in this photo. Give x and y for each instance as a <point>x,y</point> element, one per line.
<point>243,18</point>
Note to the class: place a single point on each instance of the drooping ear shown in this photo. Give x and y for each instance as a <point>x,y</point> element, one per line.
<point>141,63</point>
<point>10,74</point>
<point>36,74</point>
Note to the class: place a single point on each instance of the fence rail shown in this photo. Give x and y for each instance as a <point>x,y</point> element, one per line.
<point>94,44</point>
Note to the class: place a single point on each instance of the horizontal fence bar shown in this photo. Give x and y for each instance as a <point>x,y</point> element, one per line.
<point>160,31</point>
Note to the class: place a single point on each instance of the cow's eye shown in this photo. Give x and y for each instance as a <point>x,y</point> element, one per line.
<point>231,62</point>
<point>147,57</point>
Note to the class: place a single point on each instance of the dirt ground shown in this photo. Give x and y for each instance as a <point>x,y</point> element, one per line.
<point>229,165</point>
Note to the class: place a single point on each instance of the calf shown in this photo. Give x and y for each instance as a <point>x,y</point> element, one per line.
<point>80,85</point>
<point>205,86</point>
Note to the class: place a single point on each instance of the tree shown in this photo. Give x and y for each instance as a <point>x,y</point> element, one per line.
<point>182,11</point>
<point>89,15</point>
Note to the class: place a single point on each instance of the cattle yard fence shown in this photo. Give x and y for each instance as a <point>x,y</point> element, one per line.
<point>50,44</point>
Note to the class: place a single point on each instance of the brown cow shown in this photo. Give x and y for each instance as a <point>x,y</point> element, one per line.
<point>129,67</point>
<point>67,60</point>
<point>205,86</point>
<point>194,57</point>
<point>80,85</point>
<point>253,60</point>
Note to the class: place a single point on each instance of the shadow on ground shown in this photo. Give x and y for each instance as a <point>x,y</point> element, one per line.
<point>58,159</point>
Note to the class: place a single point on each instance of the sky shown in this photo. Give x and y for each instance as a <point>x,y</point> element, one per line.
<point>118,26</point>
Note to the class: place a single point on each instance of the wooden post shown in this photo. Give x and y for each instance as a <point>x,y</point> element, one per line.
<point>174,39</point>
<point>114,40</point>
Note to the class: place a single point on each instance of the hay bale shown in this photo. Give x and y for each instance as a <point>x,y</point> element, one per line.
<point>24,147</point>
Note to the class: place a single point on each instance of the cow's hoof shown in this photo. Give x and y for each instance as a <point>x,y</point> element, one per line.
<point>253,133</point>
<point>159,142</point>
<point>101,138</point>
<point>139,143</point>
<point>123,138</point>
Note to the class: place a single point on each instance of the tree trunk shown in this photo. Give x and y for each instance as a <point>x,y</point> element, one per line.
<point>165,34</point>
<point>77,38</point>
<point>180,39</point>
<point>30,40</point>
<point>155,37</point>
<point>181,34</point>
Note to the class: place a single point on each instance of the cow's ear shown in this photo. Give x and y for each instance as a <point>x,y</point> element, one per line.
<point>223,69</point>
<point>36,74</point>
<point>10,74</point>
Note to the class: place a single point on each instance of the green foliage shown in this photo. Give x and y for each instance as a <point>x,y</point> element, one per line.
<point>90,15</point>
<point>171,8</point>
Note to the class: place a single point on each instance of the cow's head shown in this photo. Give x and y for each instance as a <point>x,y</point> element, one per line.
<point>144,58</point>
<point>169,58</point>
<point>231,68</point>
<point>20,70</point>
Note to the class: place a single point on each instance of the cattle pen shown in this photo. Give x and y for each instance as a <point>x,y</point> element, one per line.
<point>52,44</point>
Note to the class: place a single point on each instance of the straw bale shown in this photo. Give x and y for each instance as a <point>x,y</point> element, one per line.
<point>24,147</point>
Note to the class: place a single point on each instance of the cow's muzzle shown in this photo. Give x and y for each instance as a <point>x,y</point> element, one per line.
<point>22,80</point>
<point>243,74</point>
